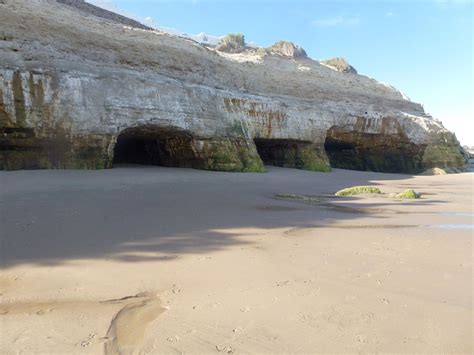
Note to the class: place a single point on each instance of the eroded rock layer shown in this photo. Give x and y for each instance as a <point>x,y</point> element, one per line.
<point>79,91</point>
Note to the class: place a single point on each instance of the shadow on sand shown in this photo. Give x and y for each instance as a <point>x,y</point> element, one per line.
<point>153,213</point>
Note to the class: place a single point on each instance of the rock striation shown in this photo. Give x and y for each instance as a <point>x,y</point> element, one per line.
<point>82,91</point>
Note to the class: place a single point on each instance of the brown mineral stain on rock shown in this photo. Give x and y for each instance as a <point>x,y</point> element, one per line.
<point>262,115</point>
<point>4,118</point>
<point>36,92</point>
<point>19,99</point>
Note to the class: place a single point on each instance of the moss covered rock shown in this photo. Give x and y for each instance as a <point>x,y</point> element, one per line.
<point>23,148</point>
<point>358,190</point>
<point>407,194</point>
<point>434,171</point>
<point>232,155</point>
<point>442,155</point>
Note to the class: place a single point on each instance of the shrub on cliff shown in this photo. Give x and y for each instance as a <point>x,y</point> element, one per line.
<point>232,43</point>
<point>340,64</point>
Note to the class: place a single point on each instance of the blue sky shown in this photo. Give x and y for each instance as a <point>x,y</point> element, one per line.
<point>422,47</point>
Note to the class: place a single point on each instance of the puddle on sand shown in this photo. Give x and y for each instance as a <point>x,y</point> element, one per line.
<point>380,226</point>
<point>320,201</point>
<point>459,214</point>
<point>277,208</point>
<point>452,226</point>
<point>299,230</point>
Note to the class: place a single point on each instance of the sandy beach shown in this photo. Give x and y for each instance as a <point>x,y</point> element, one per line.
<point>166,260</point>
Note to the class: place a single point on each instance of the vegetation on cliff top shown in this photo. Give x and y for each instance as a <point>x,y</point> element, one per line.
<point>235,43</point>
<point>232,43</point>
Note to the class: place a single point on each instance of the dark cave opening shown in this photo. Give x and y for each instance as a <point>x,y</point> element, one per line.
<point>372,152</point>
<point>150,145</point>
<point>342,154</point>
<point>285,153</point>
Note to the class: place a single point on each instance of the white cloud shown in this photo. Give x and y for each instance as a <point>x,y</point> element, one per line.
<point>389,14</point>
<point>336,21</point>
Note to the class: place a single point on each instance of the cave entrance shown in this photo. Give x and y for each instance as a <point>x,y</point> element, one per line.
<point>343,154</point>
<point>286,153</point>
<point>372,152</point>
<point>150,145</point>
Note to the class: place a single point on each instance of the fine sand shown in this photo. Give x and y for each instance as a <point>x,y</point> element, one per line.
<point>164,260</point>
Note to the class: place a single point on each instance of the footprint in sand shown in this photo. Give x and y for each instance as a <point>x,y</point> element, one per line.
<point>173,339</point>
<point>128,327</point>
<point>224,348</point>
<point>44,311</point>
<point>90,339</point>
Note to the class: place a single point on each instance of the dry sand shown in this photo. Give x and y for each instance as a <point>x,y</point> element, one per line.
<point>162,260</point>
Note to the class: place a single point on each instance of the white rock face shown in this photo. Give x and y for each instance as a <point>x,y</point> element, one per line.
<point>85,80</point>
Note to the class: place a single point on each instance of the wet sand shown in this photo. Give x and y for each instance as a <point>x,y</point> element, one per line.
<point>163,260</point>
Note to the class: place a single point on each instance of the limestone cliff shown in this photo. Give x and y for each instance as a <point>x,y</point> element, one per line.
<point>81,91</point>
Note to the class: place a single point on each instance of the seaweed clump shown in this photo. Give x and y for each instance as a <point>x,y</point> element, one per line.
<point>358,190</point>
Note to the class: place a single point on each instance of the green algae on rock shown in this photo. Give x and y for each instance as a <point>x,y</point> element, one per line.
<point>232,155</point>
<point>434,171</point>
<point>443,154</point>
<point>358,190</point>
<point>407,194</point>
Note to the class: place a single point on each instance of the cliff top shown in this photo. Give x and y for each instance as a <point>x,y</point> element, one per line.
<point>97,11</point>
<point>39,32</point>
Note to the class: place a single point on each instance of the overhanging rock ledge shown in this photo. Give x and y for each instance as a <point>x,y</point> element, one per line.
<point>77,89</point>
